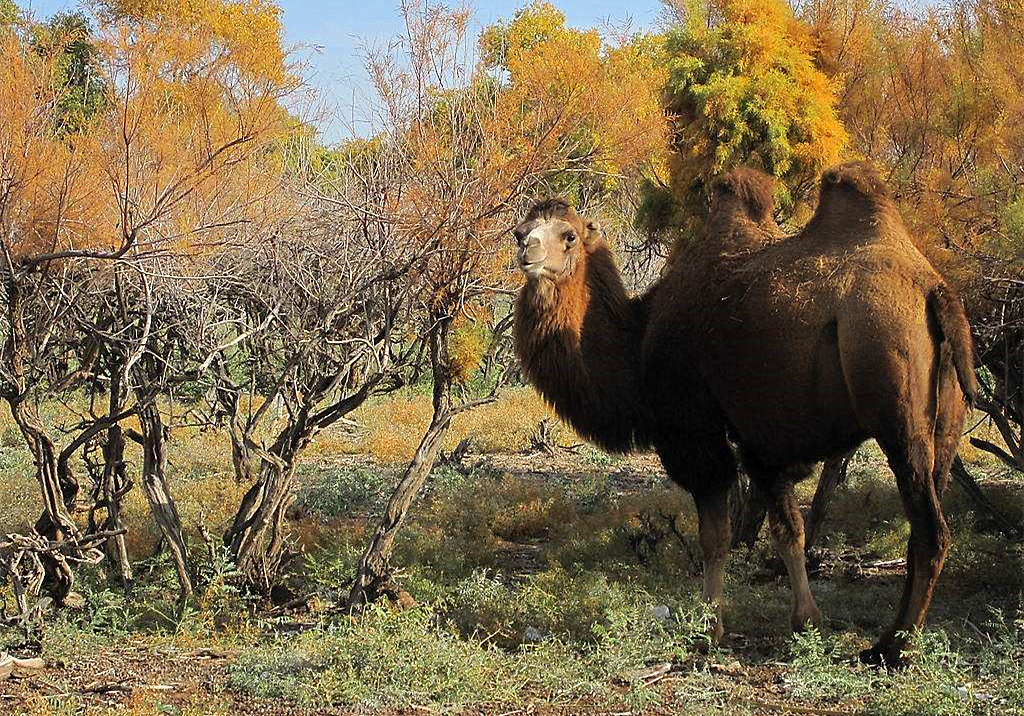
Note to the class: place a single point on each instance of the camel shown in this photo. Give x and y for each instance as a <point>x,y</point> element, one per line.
<point>796,349</point>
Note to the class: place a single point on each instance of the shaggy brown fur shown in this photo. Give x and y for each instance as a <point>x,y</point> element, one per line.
<point>798,348</point>
<point>571,333</point>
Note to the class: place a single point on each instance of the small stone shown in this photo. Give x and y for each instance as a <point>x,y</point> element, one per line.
<point>532,634</point>
<point>661,612</point>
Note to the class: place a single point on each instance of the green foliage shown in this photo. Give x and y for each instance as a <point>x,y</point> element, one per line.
<point>81,89</point>
<point>403,658</point>
<point>743,88</point>
<point>384,658</point>
<point>342,492</point>
<point>1010,242</point>
<point>820,671</point>
<point>8,13</point>
<point>530,26</point>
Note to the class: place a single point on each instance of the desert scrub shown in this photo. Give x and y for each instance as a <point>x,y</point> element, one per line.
<point>942,679</point>
<point>391,427</point>
<point>614,623</point>
<point>383,658</point>
<point>820,669</point>
<point>329,492</point>
<point>411,658</point>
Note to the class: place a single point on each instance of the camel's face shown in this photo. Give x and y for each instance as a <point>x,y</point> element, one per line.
<point>549,247</point>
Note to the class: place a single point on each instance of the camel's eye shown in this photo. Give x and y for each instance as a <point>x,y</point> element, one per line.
<point>570,237</point>
<point>519,235</point>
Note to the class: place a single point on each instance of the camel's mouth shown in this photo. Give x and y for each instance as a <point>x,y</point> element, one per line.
<point>534,268</point>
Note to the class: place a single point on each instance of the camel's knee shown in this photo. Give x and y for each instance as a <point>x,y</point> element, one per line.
<point>930,541</point>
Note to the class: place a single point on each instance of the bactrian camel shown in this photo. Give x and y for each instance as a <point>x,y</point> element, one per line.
<point>794,348</point>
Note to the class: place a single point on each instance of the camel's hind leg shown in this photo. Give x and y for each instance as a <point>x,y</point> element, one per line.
<point>914,463</point>
<point>787,528</point>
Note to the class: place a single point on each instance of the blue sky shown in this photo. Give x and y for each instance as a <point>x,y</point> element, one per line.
<point>330,34</point>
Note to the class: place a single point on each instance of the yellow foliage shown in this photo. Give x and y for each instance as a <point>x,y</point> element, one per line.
<point>245,33</point>
<point>570,87</point>
<point>392,427</point>
<point>744,89</point>
<point>467,345</point>
<point>185,141</point>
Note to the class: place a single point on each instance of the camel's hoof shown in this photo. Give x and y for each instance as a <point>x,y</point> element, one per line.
<point>803,621</point>
<point>884,658</point>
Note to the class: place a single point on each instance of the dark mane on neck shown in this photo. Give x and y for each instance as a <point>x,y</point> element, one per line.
<point>578,346</point>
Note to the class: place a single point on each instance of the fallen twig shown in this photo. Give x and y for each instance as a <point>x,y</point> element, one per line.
<point>98,687</point>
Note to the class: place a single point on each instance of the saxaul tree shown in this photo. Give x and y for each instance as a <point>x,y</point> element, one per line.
<point>99,215</point>
<point>321,309</point>
<point>538,114</point>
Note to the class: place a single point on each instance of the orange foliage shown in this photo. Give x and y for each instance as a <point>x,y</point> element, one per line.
<point>184,145</point>
<point>570,93</point>
<point>935,98</point>
<point>46,192</point>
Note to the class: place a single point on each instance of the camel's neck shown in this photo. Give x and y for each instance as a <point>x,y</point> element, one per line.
<point>579,344</point>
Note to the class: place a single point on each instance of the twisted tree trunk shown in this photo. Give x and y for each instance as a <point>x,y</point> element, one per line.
<point>154,486</point>
<point>374,570</point>
<point>59,494</point>
<point>111,482</point>
<point>255,538</point>
<point>373,574</point>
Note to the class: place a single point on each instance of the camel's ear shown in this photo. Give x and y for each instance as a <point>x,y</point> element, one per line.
<point>594,232</point>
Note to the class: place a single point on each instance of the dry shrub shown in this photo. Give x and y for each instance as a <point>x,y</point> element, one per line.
<point>392,427</point>
<point>983,428</point>
<point>503,426</point>
<point>533,514</point>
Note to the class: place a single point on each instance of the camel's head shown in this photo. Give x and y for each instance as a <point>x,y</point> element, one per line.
<point>553,241</point>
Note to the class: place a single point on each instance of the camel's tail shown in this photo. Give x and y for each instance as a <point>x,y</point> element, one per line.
<point>949,314</point>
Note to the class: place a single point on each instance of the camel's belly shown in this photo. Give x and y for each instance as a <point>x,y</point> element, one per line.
<point>786,398</point>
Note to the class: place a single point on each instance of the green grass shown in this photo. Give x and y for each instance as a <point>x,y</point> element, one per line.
<point>548,588</point>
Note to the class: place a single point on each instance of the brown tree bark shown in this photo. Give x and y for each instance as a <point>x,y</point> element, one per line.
<point>374,567</point>
<point>154,486</point>
<point>255,538</point>
<point>55,523</point>
<point>373,573</point>
<point>111,482</point>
